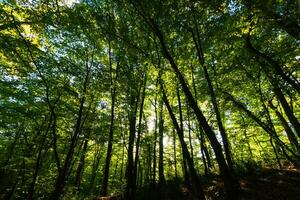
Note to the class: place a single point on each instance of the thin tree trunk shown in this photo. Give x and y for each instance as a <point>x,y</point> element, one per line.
<point>205,155</point>
<point>231,185</point>
<point>111,128</point>
<point>95,167</point>
<point>62,174</point>
<point>184,166</point>
<point>275,152</point>
<point>190,136</point>
<point>123,151</point>
<point>291,136</point>
<point>174,153</point>
<point>287,109</point>
<point>199,194</point>
<point>161,147</point>
<point>131,182</point>
<point>39,160</point>
<point>268,129</point>
<point>213,97</point>
<point>155,138</point>
<point>275,66</point>
<point>60,182</point>
<point>80,168</point>
<point>139,128</point>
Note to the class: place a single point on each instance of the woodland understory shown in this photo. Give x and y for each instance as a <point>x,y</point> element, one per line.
<point>149,99</point>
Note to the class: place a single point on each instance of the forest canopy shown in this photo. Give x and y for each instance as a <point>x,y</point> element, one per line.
<point>156,99</point>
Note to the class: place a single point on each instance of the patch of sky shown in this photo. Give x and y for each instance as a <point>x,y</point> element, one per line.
<point>233,7</point>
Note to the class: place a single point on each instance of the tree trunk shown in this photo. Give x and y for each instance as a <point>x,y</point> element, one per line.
<point>154,148</point>
<point>62,174</point>
<point>131,182</point>
<point>269,130</point>
<point>291,136</point>
<point>80,168</point>
<point>139,128</point>
<point>231,185</point>
<point>161,147</point>
<point>199,194</point>
<point>174,153</point>
<point>287,109</point>
<point>213,97</point>
<point>190,136</point>
<point>39,160</point>
<point>205,155</point>
<point>96,162</point>
<point>111,128</point>
<point>184,166</point>
<point>275,66</point>
<point>109,145</point>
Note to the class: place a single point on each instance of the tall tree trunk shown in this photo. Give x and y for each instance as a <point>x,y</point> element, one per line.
<point>155,138</point>
<point>97,158</point>
<point>200,135</point>
<point>161,147</point>
<point>111,128</point>
<point>231,185</point>
<point>139,128</point>
<point>39,159</point>
<point>197,42</point>
<point>197,186</point>
<point>205,155</point>
<point>148,165</point>
<point>184,166</point>
<point>174,153</point>
<point>80,168</point>
<point>190,136</point>
<point>290,134</point>
<point>131,182</point>
<point>286,107</point>
<point>62,174</point>
<point>109,146</point>
<point>123,151</point>
<point>60,182</point>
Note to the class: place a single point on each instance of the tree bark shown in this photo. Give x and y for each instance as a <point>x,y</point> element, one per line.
<point>174,154</point>
<point>112,118</point>
<point>80,168</point>
<point>154,148</point>
<point>161,147</point>
<point>130,179</point>
<point>213,97</point>
<point>199,194</point>
<point>287,109</point>
<point>184,166</point>
<point>139,128</point>
<point>63,172</point>
<point>231,185</point>
<point>290,134</point>
<point>39,160</point>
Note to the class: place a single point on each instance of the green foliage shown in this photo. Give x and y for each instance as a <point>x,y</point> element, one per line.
<point>61,60</point>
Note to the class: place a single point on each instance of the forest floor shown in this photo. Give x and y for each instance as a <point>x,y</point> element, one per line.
<point>263,184</point>
<point>266,184</point>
